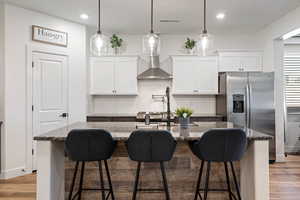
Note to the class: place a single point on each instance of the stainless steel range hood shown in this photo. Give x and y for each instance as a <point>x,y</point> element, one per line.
<point>154,72</point>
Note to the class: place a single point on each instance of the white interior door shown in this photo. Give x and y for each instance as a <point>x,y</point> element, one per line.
<point>50,94</point>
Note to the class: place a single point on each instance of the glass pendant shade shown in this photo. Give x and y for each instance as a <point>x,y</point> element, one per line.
<point>99,44</point>
<point>205,43</point>
<point>151,44</point>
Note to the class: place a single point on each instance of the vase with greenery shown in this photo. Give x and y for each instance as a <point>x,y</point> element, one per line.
<point>116,43</point>
<point>184,115</point>
<point>190,45</point>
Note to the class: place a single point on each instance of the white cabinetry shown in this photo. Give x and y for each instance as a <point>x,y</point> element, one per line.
<point>113,75</point>
<point>234,61</point>
<point>193,75</point>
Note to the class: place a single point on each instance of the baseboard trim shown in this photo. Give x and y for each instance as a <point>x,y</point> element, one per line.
<point>12,173</point>
<point>280,158</point>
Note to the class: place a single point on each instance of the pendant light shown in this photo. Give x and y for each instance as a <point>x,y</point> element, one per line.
<point>205,41</point>
<point>99,42</point>
<point>151,41</point>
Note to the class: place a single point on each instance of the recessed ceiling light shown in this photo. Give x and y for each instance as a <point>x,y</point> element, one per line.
<point>220,16</point>
<point>84,16</point>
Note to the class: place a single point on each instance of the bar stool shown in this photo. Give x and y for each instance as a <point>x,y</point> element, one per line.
<point>151,146</point>
<point>219,145</point>
<point>89,145</point>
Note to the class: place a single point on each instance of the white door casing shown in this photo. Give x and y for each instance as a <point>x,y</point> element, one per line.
<point>50,94</point>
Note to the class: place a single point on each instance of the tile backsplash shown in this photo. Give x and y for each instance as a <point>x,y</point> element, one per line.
<point>145,102</point>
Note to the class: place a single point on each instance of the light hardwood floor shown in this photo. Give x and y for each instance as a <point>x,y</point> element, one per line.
<point>284,183</point>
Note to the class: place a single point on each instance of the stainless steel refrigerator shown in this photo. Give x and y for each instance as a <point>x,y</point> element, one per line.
<point>247,100</point>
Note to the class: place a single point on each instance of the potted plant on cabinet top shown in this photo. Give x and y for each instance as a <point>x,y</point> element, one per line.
<point>116,43</point>
<point>184,115</point>
<point>190,45</point>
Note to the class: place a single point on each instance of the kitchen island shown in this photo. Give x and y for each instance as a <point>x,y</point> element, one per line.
<point>55,170</point>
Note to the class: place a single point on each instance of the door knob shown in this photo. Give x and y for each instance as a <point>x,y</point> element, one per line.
<point>64,115</point>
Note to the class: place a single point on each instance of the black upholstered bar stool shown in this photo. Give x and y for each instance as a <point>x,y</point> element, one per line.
<point>219,145</point>
<point>89,145</point>
<point>151,146</point>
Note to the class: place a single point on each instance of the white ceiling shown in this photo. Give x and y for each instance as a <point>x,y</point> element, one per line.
<point>132,16</point>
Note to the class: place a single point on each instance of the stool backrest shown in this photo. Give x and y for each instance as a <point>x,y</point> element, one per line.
<point>222,145</point>
<point>89,145</point>
<point>151,146</point>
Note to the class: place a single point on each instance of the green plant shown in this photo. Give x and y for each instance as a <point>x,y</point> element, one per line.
<point>183,112</point>
<point>115,41</point>
<point>190,43</point>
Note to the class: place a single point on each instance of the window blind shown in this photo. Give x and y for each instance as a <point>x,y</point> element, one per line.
<point>292,77</point>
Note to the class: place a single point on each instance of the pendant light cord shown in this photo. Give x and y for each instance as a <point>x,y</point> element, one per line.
<point>99,17</point>
<point>205,30</point>
<point>151,17</point>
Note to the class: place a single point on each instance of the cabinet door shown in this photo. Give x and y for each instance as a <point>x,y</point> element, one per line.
<point>229,63</point>
<point>251,62</point>
<point>207,76</point>
<point>102,73</point>
<point>125,77</point>
<point>195,76</point>
<point>185,76</point>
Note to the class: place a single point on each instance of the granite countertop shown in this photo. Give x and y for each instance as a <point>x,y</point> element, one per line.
<point>121,130</point>
<point>134,115</point>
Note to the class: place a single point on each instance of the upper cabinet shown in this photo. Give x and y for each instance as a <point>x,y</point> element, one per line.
<point>240,61</point>
<point>193,75</point>
<point>113,75</point>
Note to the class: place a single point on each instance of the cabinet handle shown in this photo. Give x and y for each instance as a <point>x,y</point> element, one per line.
<point>196,90</point>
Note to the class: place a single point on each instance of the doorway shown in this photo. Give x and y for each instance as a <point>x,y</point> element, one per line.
<point>49,95</point>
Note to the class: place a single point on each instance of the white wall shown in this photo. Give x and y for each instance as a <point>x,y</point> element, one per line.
<point>170,45</point>
<point>1,76</point>
<point>275,30</point>
<point>18,22</point>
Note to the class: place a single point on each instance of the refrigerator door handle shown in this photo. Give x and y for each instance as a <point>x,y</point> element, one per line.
<point>247,100</point>
<point>249,104</point>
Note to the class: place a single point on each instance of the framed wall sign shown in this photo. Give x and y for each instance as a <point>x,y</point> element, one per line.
<point>49,36</point>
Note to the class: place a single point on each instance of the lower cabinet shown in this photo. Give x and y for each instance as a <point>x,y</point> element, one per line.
<point>194,75</point>
<point>113,75</point>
